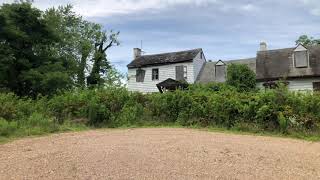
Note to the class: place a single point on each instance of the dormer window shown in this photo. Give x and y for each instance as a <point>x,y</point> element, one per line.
<point>220,71</point>
<point>301,57</point>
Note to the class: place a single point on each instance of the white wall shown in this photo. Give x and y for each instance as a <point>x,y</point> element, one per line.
<point>165,72</point>
<point>198,64</point>
<point>305,84</point>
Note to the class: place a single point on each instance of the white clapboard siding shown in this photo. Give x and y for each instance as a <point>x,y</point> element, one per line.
<point>165,72</point>
<point>302,84</point>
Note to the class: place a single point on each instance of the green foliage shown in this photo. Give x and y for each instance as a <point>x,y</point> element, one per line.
<point>283,122</point>
<point>28,67</point>
<point>43,53</point>
<point>7,128</point>
<point>101,65</point>
<point>201,106</point>
<point>307,41</point>
<point>241,77</point>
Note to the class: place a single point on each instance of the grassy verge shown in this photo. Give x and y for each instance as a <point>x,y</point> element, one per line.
<point>37,132</point>
<point>79,127</point>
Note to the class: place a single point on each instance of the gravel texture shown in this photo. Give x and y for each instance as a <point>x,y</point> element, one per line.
<point>159,153</point>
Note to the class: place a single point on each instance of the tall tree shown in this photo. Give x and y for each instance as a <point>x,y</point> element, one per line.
<point>101,64</point>
<point>81,41</point>
<point>307,41</point>
<point>28,66</point>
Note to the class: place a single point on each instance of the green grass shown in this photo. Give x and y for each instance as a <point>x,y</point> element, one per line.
<point>293,135</point>
<point>38,132</point>
<point>67,127</point>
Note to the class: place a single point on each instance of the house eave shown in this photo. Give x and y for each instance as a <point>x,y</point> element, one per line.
<point>156,64</point>
<point>286,78</point>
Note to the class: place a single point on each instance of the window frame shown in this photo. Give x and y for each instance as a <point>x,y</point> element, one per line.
<point>314,84</point>
<point>155,77</point>
<point>295,59</point>
<point>140,75</point>
<point>185,72</point>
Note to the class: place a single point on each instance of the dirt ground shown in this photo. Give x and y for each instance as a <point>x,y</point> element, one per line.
<point>161,153</point>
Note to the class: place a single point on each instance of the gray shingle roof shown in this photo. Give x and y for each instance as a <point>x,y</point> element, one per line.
<point>278,63</point>
<point>207,73</point>
<point>165,58</point>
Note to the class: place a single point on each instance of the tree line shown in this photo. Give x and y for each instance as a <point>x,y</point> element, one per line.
<point>43,52</point>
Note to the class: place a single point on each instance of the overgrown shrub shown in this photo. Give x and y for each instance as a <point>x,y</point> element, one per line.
<point>241,77</point>
<point>212,105</point>
<point>7,128</point>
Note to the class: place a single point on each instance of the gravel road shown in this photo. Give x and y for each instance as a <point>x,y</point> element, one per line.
<point>159,153</point>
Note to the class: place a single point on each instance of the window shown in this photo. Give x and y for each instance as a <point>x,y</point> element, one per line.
<point>155,74</point>
<point>181,73</point>
<point>140,75</point>
<point>275,84</point>
<point>185,72</point>
<point>301,59</point>
<point>316,86</point>
<point>220,71</point>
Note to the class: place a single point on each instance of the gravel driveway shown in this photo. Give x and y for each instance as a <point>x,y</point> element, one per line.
<point>161,153</point>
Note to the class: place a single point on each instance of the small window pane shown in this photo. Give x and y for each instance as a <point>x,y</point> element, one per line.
<point>185,72</point>
<point>155,74</point>
<point>301,58</point>
<point>316,86</point>
<point>140,75</point>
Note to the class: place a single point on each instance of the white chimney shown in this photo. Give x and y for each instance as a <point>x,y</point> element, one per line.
<point>263,46</point>
<point>136,53</point>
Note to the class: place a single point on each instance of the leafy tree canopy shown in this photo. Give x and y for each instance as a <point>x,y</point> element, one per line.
<point>28,66</point>
<point>241,77</point>
<point>307,41</point>
<point>44,52</point>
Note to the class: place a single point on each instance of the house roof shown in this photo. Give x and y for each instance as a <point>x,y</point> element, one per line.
<point>164,58</point>
<point>278,63</point>
<point>171,84</point>
<point>207,73</point>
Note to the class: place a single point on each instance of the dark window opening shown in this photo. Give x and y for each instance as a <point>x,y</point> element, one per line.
<point>316,86</point>
<point>140,75</point>
<point>155,74</point>
<point>181,73</point>
<point>274,84</point>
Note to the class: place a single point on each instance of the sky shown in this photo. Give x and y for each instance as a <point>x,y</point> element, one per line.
<point>224,29</point>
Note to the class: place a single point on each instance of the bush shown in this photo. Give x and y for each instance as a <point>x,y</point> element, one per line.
<point>7,128</point>
<point>212,105</point>
<point>241,77</point>
<point>38,123</point>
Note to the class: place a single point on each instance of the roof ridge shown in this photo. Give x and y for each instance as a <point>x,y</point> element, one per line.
<point>171,52</point>
<point>277,49</point>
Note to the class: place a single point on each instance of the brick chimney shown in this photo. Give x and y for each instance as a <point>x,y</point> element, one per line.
<point>263,46</point>
<point>136,53</point>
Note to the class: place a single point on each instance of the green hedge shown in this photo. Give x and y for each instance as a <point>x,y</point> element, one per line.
<point>214,105</point>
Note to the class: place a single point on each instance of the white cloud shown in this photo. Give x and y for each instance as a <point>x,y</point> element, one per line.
<point>104,8</point>
<point>248,7</point>
<point>314,6</point>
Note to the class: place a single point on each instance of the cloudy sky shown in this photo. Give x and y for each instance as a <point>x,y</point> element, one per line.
<point>225,29</point>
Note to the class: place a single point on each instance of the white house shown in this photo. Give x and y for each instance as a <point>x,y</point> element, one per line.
<point>299,66</point>
<point>145,72</point>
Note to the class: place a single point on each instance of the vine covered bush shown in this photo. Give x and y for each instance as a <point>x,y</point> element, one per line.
<point>212,105</point>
